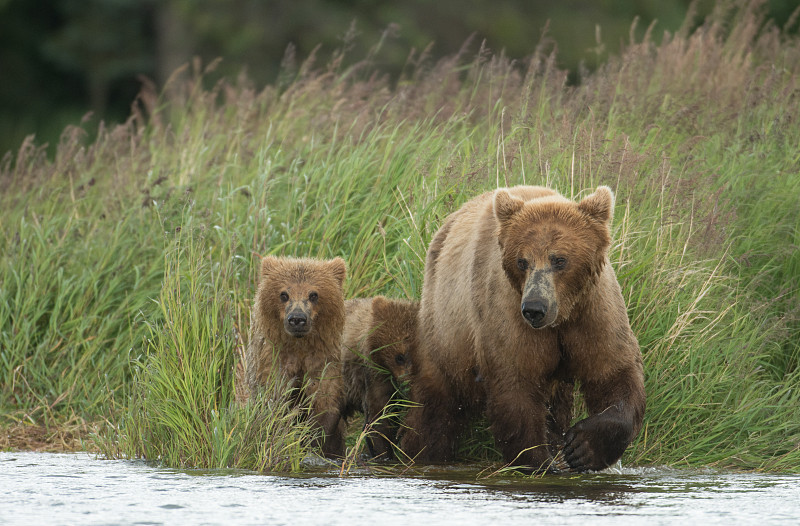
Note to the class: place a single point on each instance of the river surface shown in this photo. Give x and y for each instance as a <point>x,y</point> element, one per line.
<point>42,488</point>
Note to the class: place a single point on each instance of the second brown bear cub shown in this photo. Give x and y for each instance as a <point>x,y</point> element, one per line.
<point>296,326</point>
<point>378,336</point>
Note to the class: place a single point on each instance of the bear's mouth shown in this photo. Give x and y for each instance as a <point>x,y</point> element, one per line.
<point>535,325</point>
<point>297,332</point>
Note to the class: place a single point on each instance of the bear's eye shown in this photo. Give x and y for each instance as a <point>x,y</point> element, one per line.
<point>557,262</point>
<point>284,297</point>
<point>313,297</point>
<point>522,264</point>
<point>400,359</point>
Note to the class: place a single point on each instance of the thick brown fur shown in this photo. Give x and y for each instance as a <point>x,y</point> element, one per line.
<point>518,286</point>
<point>296,326</point>
<point>378,337</point>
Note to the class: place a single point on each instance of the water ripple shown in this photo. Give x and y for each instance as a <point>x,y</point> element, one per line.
<point>40,488</point>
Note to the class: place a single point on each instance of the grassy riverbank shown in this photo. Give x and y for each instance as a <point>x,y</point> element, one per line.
<point>128,263</point>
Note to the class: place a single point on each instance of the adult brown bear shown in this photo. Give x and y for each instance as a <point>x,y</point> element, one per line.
<point>296,326</point>
<point>518,298</point>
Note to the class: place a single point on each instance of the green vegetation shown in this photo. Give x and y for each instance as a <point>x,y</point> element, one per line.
<point>181,411</point>
<point>128,263</point>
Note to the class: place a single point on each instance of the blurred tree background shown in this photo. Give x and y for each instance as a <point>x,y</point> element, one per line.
<point>60,59</point>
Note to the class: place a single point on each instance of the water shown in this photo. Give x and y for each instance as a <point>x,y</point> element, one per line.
<point>41,488</point>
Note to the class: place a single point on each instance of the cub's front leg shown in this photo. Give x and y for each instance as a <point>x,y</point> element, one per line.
<point>378,395</point>
<point>327,395</point>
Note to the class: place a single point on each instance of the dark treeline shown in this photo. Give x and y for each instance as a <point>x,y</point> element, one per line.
<point>60,59</point>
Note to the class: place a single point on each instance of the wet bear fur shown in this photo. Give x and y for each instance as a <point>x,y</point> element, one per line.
<point>519,287</point>
<point>296,326</point>
<point>378,335</point>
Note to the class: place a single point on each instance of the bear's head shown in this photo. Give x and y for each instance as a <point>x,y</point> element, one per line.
<point>553,249</point>
<point>302,293</point>
<point>394,327</point>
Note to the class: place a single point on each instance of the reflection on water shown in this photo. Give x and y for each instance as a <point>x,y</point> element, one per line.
<point>41,488</point>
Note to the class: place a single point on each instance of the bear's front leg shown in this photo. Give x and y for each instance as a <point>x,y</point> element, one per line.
<point>326,412</point>
<point>559,414</point>
<point>518,418</point>
<point>433,422</point>
<point>616,409</point>
<point>378,419</point>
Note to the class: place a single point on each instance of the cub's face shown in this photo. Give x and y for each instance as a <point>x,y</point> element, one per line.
<point>393,355</point>
<point>301,293</point>
<point>552,250</point>
<point>300,302</point>
<point>393,335</point>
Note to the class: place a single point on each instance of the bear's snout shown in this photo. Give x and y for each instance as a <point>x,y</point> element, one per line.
<point>297,320</point>
<point>539,305</point>
<point>534,312</point>
<point>297,323</point>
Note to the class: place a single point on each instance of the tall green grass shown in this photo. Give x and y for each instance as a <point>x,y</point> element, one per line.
<point>102,247</point>
<point>180,409</point>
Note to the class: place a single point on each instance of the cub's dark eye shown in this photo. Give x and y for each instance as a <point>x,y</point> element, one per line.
<point>284,297</point>
<point>313,297</point>
<point>400,359</point>
<point>557,262</point>
<point>522,264</point>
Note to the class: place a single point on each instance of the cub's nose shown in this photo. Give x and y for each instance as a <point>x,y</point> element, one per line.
<point>297,320</point>
<point>534,312</point>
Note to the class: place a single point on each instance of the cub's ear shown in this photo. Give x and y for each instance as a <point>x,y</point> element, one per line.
<point>338,268</point>
<point>380,306</point>
<point>599,205</point>
<point>505,205</point>
<point>268,264</point>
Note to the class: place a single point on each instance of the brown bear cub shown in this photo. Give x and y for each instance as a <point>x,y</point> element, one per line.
<point>296,326</point>
<point>518,286</point>
<point>378,336</point>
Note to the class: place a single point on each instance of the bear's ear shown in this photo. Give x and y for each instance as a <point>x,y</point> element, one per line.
<point>505,205</point>
<point>338,268</point>
<point>379,307</point>
<point>268,264</point>
<point>599,205</point>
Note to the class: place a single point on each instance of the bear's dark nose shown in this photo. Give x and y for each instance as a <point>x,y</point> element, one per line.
<point>534,312</point>
<point>297,320</point>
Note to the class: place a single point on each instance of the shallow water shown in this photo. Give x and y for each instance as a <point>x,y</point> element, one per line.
<point>42,488</point>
